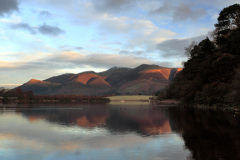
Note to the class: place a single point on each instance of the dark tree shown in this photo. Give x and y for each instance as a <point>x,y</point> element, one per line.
<point>189,49</point>
<point>207,46</point>
<point>229,19</point>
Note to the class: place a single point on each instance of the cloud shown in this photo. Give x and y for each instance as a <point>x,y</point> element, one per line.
<point>147,40</point>
<point>98,60</point>
<point>180,12</point>
<point>70,48</point>
<point>131,52</point>
<point>23,65</point>
<point>45,14</point>
<point>9,86</point>
<point>129,28</point>
<point>64,46</point>
<point>175,47</point>
<point>50,30</point>
<point>216,3</point>
<point>166,8</point>
<point>24,26</point>
<point>13,19</point>
<point>43,29</point>
<point>8,6</point>
<point>119,25</point>
<point>79,48</point>
<point>115,25</point>
<point>184,12</point>
<point>113,5</point>
<point>71,59</point>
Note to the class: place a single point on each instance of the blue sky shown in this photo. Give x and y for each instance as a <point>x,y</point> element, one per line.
<point>44,38</point>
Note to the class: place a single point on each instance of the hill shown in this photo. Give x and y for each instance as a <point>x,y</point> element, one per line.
<point>144,79</point>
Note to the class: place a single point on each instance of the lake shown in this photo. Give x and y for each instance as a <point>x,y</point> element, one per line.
<point>121,131</point>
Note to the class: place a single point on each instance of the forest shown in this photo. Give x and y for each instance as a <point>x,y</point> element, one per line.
<point>211,75</point>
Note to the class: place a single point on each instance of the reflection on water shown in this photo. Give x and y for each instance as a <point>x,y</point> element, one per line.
<point>117,131</point>
<point>208,134</point>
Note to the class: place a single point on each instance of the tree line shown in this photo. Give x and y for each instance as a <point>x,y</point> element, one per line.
<point>29,96</point>
<point>17,93</point>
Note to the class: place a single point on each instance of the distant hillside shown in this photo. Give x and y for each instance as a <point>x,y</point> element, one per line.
<point>144,79</point>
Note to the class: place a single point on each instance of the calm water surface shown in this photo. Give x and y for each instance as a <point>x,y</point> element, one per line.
<point>117,131</point>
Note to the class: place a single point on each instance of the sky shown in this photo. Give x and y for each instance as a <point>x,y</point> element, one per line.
<point>45,38</point>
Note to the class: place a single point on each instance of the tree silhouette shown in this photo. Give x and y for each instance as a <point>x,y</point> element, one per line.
<point>209,76</point>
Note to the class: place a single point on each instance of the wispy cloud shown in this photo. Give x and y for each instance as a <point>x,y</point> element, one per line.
<point>131,52</point>
<point>24,26</point>
<point>43,29</point>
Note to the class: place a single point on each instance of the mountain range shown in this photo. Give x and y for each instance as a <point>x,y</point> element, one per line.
<point>144,79</point>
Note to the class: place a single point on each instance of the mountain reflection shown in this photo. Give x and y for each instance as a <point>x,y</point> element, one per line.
<point>146,122</point>
<point>116,119</point>
<point>89,131</point>
<point>207,134</point>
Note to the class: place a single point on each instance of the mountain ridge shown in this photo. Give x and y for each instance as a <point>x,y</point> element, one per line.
<point>144,79</point>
